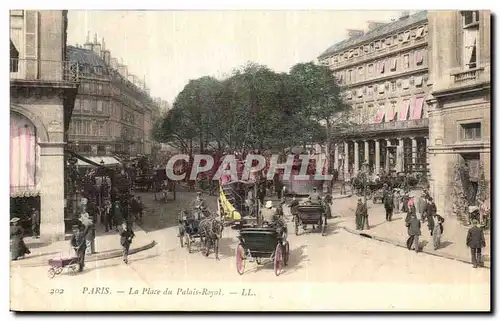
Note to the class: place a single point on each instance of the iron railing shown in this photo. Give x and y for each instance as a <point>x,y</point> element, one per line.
<point>467,76</point>
<point>44,70</point>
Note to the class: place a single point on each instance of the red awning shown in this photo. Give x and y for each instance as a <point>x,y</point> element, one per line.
<point>417,110</point>
<point>389,114</point>
<point>380,116</point>
<point>403,110</point>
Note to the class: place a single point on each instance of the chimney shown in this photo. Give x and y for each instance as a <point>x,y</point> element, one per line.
<point>373,25</point>
<point>113,62</point>
<point>123,70</point>
<point>88,45</point>
<point>353,33</point>
<point>404,15</point>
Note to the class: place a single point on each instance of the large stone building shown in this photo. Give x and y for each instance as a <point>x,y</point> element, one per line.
<point>43,86</point>
<point>384,73</point>
<point>114,112</point>
<point>460,104</point>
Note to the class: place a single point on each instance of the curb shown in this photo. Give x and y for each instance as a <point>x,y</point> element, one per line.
<point>99,257</point>
<point>396,243</point>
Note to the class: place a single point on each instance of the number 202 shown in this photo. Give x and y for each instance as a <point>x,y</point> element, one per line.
<point>56,291</point>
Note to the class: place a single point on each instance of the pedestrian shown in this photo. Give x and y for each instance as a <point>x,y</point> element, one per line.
<point>413,232</point>
<point>421,206</point>
<point>360,208</point>
<point>389,206</point>
<point>405,199</point>
<point>89,232</point>
<point>438,231</point>
<point>474,213</point>
<point>140,207</point>
<point>475,241</point>
<point>430,213</point>
<point>79,244</point>
<point>397,198</point>
<point>126,236</point>
<point>364,217</point>
<point>17,246</point>
<point>35,223</point>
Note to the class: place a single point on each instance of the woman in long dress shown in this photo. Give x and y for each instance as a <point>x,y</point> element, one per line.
<point>17,246</point>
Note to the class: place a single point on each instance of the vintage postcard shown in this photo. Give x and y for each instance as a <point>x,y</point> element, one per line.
<point>250,160</point>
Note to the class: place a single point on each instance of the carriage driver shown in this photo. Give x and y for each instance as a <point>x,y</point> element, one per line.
<point>198,204</point>
<point>314,198</point>
<point>272,218</point>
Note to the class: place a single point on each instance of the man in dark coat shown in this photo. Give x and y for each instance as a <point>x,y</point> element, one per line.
<point>126,236</point>
<point>35,222</point>
<point>79,244</point>
<point>475,241</point>
<point>413,232</point>
<point>361,212</point>
<point>430,214</point>
<point>389,206</point>
<point>17,246</point>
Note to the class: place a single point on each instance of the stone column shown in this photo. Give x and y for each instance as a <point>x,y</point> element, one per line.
<point>400,162</point>
<point>345,161</point>
<point>336,157</point>
<point>356,158</point>
<point>52,191</point>
<point>426,149</point>
<point>413,151</point>
<point>367,152</point>
<point>387,153</point>
<point>377,156</point>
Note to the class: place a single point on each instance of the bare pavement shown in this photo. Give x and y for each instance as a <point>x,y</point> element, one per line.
<point>341,271</point>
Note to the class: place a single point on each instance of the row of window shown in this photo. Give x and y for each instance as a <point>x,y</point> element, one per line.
<point>406,61</point>
<point>94,88</point>
<point>388,42</point>
<point>89,128</point>
<point>91,105</point>
<point>388,111</point>
<point>388,87</point>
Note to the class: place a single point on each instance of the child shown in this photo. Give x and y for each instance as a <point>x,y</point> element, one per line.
<point>437,232</point>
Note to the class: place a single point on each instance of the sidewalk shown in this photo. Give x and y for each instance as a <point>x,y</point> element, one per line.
<point>107,246</point>
<point>395,232</point>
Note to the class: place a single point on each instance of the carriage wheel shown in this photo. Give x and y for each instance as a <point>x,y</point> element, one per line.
<point>240,259</point>
<point>296,220</point>
<point>59,270</point>
<point>188,243</point>
<point>52,273</point>
<point>278,260</point>
<point>286,255</point>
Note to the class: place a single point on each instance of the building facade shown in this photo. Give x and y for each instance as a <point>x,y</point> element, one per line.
<point>460,102</point>
<point>43,87</point>
<point>384,74</point>
<point>114,112</point>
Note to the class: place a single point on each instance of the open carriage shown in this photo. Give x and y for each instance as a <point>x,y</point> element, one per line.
<point>309,214</point>
<point>260,243</point>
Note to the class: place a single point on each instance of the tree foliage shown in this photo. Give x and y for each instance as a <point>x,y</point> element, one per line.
<point>255,108</point>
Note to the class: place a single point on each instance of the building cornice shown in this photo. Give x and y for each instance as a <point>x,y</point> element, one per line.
<point>387,77</point>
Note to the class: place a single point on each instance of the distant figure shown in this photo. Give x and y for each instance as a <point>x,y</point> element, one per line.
<point>79,244</point>
<point>293,206</point>
<point>430,213</point>
<point>389,206</point>
<point>35,222</point>
<point>438,231</point>
<point>361,212</point>
<point>126,236</point>
<point>397,198</point>
<point>315,198</point>
<point>421,206</point>
<point>475,241</point>
<point>17,246</point>
<point>413,232</point>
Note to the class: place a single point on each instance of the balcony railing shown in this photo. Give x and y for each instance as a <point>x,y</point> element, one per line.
<point>395,125</point>
<point>44,70</point>
<point>467,76</point>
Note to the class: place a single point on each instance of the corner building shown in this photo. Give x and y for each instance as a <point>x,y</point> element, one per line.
<point>384,73</point>
<point>460,101</point>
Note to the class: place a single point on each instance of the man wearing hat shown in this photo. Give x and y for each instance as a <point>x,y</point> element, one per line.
<point>315,198</point>
<point>361,212</point>
<point>414,233</point>
<point>198,205</point>
<point>475,241</point>
<point>422,206</point>
<point>268,213</point>
<point>126,236</point>
<point>17,246</point>
<point>79,244</point>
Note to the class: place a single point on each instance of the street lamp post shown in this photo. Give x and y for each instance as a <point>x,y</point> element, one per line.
<point>342,184</point>
<point>365,169</point>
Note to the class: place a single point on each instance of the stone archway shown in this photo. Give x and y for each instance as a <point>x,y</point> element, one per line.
<point>24,156</point>
<point>41,129</point>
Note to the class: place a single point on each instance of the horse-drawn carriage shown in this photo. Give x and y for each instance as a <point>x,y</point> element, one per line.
<point>201,227</point>
<point>163,186</point>
<point>258,243</point>
<point>310,214</point>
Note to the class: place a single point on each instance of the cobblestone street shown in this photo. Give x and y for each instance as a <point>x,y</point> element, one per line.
<point>350,267</point>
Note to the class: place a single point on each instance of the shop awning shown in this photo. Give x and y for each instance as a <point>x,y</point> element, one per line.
<point>403,112</point>
<point>101,160</point>
<point>417,110</point>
